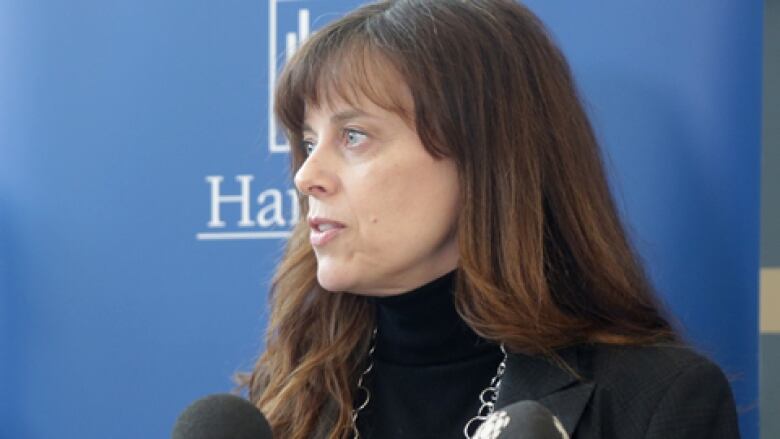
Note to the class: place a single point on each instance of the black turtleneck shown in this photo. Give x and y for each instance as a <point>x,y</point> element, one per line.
<point>429,367</point>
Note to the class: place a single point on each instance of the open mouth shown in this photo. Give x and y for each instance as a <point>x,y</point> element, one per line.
<point>323,230</point>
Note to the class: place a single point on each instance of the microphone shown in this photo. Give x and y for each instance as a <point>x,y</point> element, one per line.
<point>522,420</point>
<point>221,416</point>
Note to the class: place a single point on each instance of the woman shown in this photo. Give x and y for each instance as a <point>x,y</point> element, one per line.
<point>460,233</point>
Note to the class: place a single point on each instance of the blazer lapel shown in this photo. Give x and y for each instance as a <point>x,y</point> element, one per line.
<point>568,404</point>
<point>540,379</point>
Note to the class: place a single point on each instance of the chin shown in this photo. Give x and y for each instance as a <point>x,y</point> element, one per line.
<point>333,278</point>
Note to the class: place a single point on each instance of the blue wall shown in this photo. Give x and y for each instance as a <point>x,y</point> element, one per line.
<point>121,301</point>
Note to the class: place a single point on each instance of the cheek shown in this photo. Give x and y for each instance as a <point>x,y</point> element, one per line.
<point>406,207</point>
<point>379,206</point>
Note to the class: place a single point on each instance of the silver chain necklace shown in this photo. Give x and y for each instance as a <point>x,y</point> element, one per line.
<point>487,397</point>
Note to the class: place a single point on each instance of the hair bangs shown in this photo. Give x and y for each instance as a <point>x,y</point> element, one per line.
<point>330,70</point>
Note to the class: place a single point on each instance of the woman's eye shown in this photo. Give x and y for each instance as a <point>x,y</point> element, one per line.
<point>308,147</point>
<point>354,137</point>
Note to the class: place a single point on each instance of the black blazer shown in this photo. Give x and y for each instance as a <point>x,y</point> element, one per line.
<point>627,392</point>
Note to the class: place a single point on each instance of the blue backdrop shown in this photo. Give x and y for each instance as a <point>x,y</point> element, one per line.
<point>144,192</point>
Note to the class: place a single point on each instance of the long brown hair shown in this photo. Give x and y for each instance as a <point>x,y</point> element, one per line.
<point>544,258</point>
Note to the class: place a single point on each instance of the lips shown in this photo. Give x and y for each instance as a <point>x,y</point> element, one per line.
<point>323,230</point>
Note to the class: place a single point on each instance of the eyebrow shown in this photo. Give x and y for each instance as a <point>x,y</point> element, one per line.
<point>342,116</point>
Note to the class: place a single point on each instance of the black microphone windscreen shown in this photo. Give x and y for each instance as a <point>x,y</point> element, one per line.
<point>522,420</point>
<point>221,416</point>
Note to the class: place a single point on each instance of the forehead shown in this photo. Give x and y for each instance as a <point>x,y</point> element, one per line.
<point>341,110</point>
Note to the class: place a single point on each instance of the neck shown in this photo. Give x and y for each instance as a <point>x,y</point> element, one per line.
<point>422,327</point>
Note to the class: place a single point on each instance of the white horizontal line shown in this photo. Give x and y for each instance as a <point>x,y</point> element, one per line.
<point>212,236</point>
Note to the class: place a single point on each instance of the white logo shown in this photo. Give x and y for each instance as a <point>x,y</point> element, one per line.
<point>292,41</point>
<point>275,211</point>
<point>269,213</point>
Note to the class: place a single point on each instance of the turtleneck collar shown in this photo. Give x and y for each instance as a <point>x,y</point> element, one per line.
<point>422,327</point>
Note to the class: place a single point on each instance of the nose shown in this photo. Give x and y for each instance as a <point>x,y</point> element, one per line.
<point>315,178</point>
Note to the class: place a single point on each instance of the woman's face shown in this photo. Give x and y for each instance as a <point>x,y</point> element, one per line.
<point>382,211</point>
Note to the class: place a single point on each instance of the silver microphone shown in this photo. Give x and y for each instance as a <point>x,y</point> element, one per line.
<point>522,420</point>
